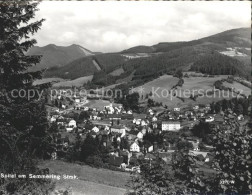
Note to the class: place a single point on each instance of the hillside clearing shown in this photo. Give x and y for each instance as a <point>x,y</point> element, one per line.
<point>47,80</point>
<point>117,72</point>
<point>76,82</point>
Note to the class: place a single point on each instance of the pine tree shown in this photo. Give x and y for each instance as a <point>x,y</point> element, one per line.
<point>23,121</point>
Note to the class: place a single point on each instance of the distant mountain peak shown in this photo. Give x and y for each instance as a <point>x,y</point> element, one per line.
<point>57,56</point>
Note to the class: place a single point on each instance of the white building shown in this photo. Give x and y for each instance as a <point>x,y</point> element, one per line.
<point>154,119</point>
<point>118,129</point>
<point>176,109</point>
<point>196,107</point>
<point>134,147</point>
<point>72,123</point>
<point>77,100</point>
<point>171,126</point>
<point>129,112</point>
<point>209,119</point>
<point>95,129</point>
<point>140,135</point>
<point>143,123</point>
<point>69,129</point>
<point>53,119</point>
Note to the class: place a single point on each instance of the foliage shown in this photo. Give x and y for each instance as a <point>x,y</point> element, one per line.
<point>184,145</point>
<point>218,64</point>
<point>130,101</point>
<point>233,160</point>
<point>88,148</point>
<point>236,105</point>
<point>202,130</point>
<point>178,73</point>
<point>158,177</point>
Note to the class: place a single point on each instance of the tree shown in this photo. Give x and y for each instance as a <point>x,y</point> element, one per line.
<point>233,160</point>
<point>202,130</point>
<point>89,148</point>
<point>178,73</point>
<point>23,122</point>
<point>239,109</point>
<point>84,115</point>
<point>184,145</point>
<point>150,103</point>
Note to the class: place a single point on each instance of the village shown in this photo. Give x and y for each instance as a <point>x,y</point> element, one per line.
<point>129,136</point>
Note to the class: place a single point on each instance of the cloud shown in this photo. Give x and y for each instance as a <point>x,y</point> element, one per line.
<point>116,25</point>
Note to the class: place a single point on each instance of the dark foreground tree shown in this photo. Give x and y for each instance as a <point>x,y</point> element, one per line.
<point>23,121</point>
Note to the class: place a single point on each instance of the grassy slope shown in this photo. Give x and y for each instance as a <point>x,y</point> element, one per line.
<point>76,82</point>
<point>90,180</point>
<point>192,83</point>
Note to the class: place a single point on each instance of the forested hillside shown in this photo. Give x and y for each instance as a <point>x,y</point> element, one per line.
<point>202,55</point>
<point>218,64</point>
<point>85,66</point>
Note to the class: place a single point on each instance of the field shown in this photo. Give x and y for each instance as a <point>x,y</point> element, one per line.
<point>161,90</point>
<point>117,72</point>
<point>47,80</point>
<point>91,181</point>
<point>163,82</point>
<point>76,82</point>
<point>239,87</point>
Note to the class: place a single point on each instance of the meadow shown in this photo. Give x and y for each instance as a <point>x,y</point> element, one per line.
<point>162,87</point>
<point>90,180</point>
<point>76,82</point>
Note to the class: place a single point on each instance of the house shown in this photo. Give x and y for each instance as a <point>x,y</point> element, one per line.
<point>176,109</point>
<point>134,147</point>
<point>53,119</point>
<point>143,123</point>
<point>209,119</point>
<point>138,122</point>
<point>207,107</point>
<point>154,119</point>
<point>149,156</point>
<point>240,117</point>
<point>118,129</point>
<point>144,130</point>
<point>170,125</point>
<point>93,134</point>
<point>195,143</point>
<point>61,121</point>
<point>109,109</point>
<point>72,123</point>
<point>155,125</point>
<point>77,100</point>
<point>196,153</point>
<point>129,112</point>
<point>69,129</point>
<point>140,135</point>
<point>196,107</point>
<point>96,129</point>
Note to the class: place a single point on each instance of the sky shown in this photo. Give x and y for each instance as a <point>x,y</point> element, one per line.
<point>112,26</point>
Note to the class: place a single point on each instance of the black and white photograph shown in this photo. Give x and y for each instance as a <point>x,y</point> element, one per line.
<point>125,97</point>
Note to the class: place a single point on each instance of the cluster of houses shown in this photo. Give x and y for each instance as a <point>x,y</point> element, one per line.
<point>114,123</point>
